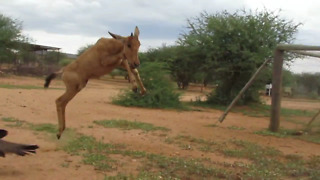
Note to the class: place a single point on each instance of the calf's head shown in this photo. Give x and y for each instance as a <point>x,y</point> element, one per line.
<point>131,47</point>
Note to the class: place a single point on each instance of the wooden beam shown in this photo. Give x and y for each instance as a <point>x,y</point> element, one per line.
<point>287,47</point>
<point>308,128</point>
<point>223,116</point>
<point>276,90</point>
<point>306,53</point>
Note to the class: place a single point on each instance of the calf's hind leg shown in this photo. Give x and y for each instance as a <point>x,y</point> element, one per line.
<point>72,88</point>
<point>61,103</point>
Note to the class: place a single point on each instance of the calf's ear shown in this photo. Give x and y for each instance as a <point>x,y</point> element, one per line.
<point>136,31</point>
<point>115,36</point>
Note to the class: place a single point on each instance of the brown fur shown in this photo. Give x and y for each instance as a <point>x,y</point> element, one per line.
<point>98,60</point>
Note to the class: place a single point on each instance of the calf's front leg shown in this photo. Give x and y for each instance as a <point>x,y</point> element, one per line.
<point>137,76</point>
<point>125,64</point>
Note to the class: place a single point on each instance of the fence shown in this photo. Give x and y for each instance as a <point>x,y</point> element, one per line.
<point>276,80</point>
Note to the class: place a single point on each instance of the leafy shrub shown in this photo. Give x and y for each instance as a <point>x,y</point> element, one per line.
<point>65,61</point>
<point>160,90</point>
<point>118,72</point>
<point>229,47</point>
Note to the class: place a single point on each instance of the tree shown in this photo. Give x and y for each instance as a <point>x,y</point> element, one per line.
<point>288,78</point>
<point>308,83</point>
<point>232,46</point>
<point>53,57</point>
<point>183,65</point>
<point>65,61</point>
<point>179,60</point>
<point>11,39</point>
<point>83,49</point>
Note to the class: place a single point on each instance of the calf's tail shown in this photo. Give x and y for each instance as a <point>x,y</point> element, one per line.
<point>50,77</point>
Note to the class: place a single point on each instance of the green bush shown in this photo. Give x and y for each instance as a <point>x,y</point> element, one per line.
<point>118,72</point>
<point>160,90</point>
<point>230,47</point>
<point>65,61</point>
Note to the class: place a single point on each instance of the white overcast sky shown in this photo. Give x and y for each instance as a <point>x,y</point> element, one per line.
<point>70,24</point>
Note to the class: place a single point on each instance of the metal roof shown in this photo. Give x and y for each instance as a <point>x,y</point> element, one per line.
<point>37,47</point>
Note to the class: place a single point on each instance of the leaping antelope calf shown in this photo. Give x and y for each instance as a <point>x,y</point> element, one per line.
<point>100,59</point>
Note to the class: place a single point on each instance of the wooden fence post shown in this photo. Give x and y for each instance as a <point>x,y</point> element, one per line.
<point>276,81</point>
<point>234,101</point>
<point>308,128</point>
<point>276,90</point>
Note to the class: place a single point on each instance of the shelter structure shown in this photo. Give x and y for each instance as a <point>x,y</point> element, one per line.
<point>37,47</point>
<point>37,60</point>
<point>41,51</point>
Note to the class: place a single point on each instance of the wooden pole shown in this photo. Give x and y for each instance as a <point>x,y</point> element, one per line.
<point>223,116</point>
<point>276,90</point>
<point>313,118</point>
<point>287,47</point>
<point>306,53</point>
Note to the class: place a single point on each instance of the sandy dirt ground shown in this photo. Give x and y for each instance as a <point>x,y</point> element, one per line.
<point>94,103</point>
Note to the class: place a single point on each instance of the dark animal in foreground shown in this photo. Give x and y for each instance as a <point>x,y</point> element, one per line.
<point>19,149</point>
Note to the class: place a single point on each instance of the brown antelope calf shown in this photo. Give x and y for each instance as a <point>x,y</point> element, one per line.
<point>100,59</point>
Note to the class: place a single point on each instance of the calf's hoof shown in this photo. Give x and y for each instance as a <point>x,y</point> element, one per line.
<point>143,92</point>
<point>135,90</point>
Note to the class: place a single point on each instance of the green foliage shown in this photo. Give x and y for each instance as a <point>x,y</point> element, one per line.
<point>52,57</point>
<point>160,90</point>
<point>245,149</point>
<point>118,72</point>
<point>11,39</point>
<point>181,168</point>
<point>263,162</point>
<point>185,67</point>
<point>233,46</point>
<point>257,110</point>
<point>65,61</point>
<point>100,162</point>
<point>26,56</point>
<point>11,86</point>
<point>49,128</point>
<point>83,49</point>
<point>269,163</point>
<point>307,84</point>
<point>284,133</point>
<point>13,122</point>
<point>236,128</point>
<point>262,110</point>
<point>191,143</point>
<point>288,78</point>
<point>182,63</point>
<point>14,47</point>
<point>9,119</point>
<point>93,152</point>
<point>127,125</point>
<point>45,127</point>
<point>98,154</point>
